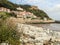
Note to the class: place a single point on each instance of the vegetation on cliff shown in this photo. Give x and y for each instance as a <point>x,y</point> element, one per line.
<point>12,6</point>
<point>8,4</point>
<point>37,12</point>
<point>4,15</point>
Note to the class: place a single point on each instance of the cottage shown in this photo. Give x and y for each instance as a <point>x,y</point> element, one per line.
<point>45,19</point>
<point>1,8</point>
<point>19,8</point>
<point>4,9</point>
<point>8,10</point>
<point>28,14</point>
<point>20,14</point>
<point>25,14</point>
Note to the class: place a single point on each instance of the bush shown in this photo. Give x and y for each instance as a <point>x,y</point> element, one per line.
<point>8,33</point>
<point>5,15</point>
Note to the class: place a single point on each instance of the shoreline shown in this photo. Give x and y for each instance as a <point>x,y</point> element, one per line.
<point>51,26</point>
<point>44,23</point>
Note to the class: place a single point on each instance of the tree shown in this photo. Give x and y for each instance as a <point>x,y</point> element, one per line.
<point>8,4</point>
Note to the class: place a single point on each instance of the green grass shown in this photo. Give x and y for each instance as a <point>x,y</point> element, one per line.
<point>4,15</point>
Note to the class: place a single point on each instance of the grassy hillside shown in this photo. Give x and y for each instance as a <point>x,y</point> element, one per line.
<point>8,4</point>
<point>4,15</point>
<point>37,12</point>
<point>12,6</point>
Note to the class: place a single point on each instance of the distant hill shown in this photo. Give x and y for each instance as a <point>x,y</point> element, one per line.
<point>57,21</point>
<point>32,9</point>
<point>35,10</point>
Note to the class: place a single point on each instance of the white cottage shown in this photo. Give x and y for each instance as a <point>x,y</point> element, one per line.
<point>19,8</point>
<point>2,9</point>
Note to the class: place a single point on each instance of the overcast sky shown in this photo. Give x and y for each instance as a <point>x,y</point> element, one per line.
<point>51,7</point>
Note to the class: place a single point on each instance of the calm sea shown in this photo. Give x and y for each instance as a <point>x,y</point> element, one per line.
<point>53,26</point>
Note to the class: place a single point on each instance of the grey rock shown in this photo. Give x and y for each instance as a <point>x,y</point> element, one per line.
<point>32,35</point>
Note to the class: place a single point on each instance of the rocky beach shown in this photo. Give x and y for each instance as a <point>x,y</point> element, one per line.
<point>33,35</point>
<point>29,22</point>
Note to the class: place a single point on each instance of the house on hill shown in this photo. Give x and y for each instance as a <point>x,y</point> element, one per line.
<point>20,9</point>
<point>2,9</point>
<point>24,14</point>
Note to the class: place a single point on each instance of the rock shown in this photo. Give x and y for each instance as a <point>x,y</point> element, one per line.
<point>31,35</point>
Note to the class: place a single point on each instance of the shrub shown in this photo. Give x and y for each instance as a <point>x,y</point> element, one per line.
<point>5,15</point>
<point>8,33</point>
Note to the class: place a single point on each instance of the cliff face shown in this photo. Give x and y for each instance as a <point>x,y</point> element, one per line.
<point>31,35</point>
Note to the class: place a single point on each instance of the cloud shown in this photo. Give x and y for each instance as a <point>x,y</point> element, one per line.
<point>36,0</point>
<point>29,1</point>
<point>54,12</point>
<point>55,8</point>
